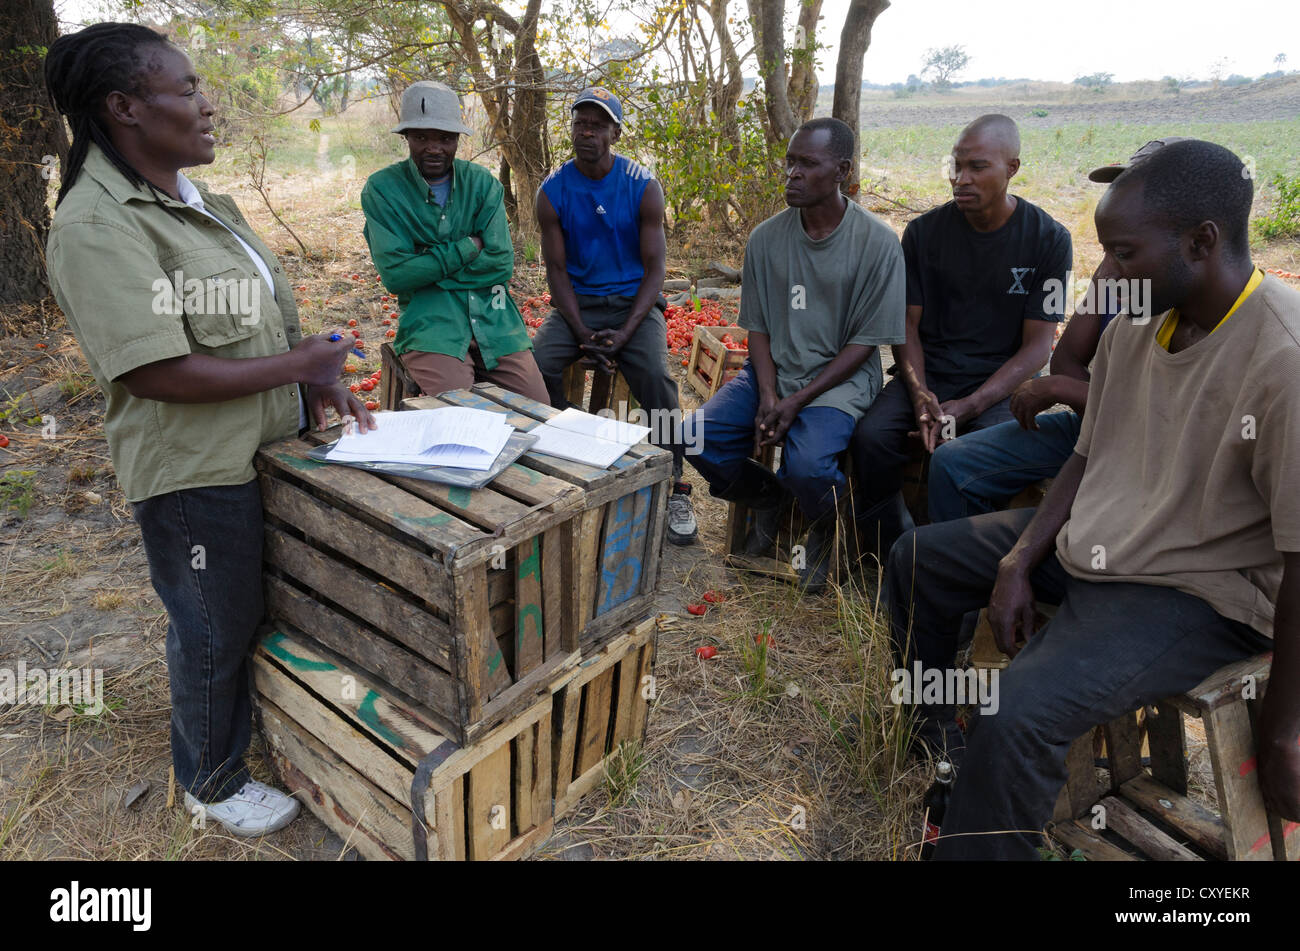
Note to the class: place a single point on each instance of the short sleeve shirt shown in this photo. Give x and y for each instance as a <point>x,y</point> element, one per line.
<point>814,298</point>
<point>1191,459</point>
<point>139,285</point>
<point>976,289</point>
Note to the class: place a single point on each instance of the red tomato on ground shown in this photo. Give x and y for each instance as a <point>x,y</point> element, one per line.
<point>704,653</point>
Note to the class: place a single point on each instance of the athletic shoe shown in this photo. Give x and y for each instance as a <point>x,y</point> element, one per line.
<point>255,810</point>
<point>681,515</point>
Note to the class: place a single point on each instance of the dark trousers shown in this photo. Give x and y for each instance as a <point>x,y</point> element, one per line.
<point>205,561</point>
<point>1111,648</point>
<point>643,361</point>
<point>721,433</point>
<point>881,448</point>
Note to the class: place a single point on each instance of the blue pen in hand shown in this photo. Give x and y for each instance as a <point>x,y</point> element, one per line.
<point>335,338</point>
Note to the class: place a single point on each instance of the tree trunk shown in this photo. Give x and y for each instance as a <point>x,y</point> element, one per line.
<point>347,77</point>
<point>803,74</point>
<point>518,123</point>
<point>31,137</point>
<point>854,40</point>
<point>768,18</point>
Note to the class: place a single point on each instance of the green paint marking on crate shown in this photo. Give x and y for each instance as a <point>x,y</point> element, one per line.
<point>298,462</point>
<point>532,565</point>
<point>459,496</point>
<point>273,643</point>
<point>534,476</point>
<point>370,717</point>
<point>527,611</point>
<point>430,521</point>
<point>495,662</point>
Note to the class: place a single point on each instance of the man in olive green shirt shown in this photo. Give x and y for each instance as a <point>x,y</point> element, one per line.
<point>437,232</point>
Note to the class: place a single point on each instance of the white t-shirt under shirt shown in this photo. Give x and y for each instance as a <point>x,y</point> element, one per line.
<point>190,195</point>
<point>1189,454</point>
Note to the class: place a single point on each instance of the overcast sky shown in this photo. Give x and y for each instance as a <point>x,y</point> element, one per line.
<point>1045,39</point>
<point>1062,39</point>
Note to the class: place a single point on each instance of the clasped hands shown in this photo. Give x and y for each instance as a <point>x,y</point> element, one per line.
<point>602,346</point>
<point>774,419</point>
<point>938,422</point>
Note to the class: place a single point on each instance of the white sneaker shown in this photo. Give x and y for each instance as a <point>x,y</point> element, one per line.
<point>255,810</point>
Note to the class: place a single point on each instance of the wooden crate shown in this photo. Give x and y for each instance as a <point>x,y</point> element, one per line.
<point>372,764</point>
<point>395,382</point>
<point>611,564</point>
<point>460,598</point>
<point>712,364</point>
<point>607,389</point>
<point>1150,815</point>
<point>599,705</point>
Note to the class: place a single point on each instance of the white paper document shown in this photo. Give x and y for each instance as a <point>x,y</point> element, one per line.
<point>452,436</point>
<point>583,437</point>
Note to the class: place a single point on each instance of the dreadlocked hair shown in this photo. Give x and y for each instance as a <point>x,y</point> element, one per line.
<point>81,69</point>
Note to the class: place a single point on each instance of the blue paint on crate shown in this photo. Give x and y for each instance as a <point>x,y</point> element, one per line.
<point>625,542</point>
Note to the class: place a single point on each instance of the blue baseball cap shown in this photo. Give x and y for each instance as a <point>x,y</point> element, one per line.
<point>600,96</point>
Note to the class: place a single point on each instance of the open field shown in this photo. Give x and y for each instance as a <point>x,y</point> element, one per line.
<point>737,746</point>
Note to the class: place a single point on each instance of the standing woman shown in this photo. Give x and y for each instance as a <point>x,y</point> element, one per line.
<point>188,323</point>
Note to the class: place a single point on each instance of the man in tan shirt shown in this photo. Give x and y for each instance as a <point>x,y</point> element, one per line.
<point>1169,539</point>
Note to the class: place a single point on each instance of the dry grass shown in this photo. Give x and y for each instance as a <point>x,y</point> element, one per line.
<point>787,752</point>
<point>64,783</point>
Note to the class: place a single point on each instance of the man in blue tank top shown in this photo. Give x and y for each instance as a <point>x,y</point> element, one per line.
<point>602,217</point>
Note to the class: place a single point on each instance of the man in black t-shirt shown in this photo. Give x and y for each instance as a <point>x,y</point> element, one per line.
<point>980,321</point>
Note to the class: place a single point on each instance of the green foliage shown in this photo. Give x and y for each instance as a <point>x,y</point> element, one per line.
<point>18,491</point>
<point>622,769</point>
<point>944,63</point>
<point>703,169</point>
<point>1284,219</point>
<point>1039,113</point>
<point>1095,81</point>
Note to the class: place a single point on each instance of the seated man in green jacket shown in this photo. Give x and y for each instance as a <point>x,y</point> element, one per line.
<point>437,232</point>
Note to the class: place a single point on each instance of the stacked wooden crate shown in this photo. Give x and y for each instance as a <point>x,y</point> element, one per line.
<point>712,364</point>
<point>422,634</point>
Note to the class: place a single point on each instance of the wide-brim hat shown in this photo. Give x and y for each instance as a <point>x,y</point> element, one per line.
<point>430,105</point>
<point>1108,173</point>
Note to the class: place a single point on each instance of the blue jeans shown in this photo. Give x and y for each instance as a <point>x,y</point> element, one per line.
<point>1111,648</point>
<point>205,561</point>
<point>722,434</point>
<point>983,470</point>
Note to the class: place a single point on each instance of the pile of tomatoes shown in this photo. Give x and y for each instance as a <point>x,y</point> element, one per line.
<point>683,319</point>
<point>365,385</point>
<point>534,311</point>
